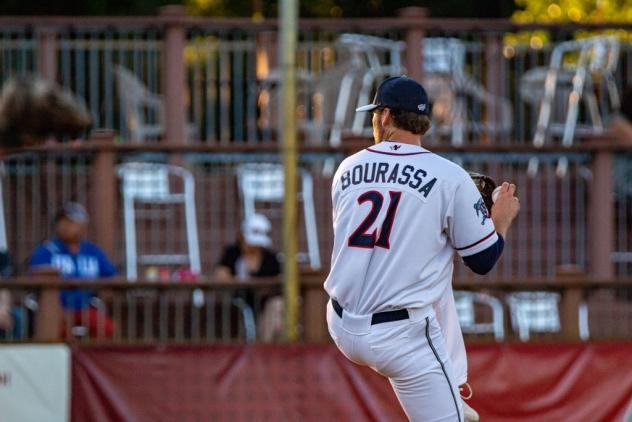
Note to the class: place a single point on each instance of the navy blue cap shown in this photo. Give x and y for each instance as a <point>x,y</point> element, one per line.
<point>400,93</point>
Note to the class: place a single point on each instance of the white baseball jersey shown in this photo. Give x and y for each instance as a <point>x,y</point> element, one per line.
<point>399,212</point>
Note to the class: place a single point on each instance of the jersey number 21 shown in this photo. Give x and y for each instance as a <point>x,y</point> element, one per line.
<point>360,238</point>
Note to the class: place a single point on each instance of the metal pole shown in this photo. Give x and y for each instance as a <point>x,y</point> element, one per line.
<point>287,47</point>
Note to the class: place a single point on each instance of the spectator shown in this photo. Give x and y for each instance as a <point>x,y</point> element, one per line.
<point>251,257</point>
<point>6,319</point>
<point>72,257</point>
<point>11,317</point>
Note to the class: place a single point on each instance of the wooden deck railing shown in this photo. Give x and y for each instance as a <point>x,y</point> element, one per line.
<point>203,311</point>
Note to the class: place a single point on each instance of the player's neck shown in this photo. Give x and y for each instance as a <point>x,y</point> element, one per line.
<point>402,136</point>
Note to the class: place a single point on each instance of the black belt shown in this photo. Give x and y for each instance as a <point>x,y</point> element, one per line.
<point>379,317</point>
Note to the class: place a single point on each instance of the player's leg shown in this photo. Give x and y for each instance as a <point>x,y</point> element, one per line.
<point>445,310</point>
<point>448,319</point>
<point>419,369</point>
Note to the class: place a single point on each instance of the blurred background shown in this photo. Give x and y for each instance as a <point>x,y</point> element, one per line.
<point>142,219</point>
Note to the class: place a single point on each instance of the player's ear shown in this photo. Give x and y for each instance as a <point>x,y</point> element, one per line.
<point>386,117</point>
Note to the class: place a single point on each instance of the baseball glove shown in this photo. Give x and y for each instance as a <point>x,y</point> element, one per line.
<point>486,186</point>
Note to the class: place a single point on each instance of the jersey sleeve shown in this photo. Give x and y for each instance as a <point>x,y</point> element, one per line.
<point>470,226</point>
<point>106,268</point>
<point>42,257</point>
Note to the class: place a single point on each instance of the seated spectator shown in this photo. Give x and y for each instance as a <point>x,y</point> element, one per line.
<point>6,319</point>
<point>251,257</point>
<point>72,257</point>
<point>11,317</point>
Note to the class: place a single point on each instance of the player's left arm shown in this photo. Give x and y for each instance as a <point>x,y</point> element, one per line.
<point>482,262</point>
<point>472,229</point>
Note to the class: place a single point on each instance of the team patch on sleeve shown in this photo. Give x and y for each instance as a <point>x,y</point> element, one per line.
<point>481,210</point>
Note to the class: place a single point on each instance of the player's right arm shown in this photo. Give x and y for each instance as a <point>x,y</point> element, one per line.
<point>505,208</point>
<point>473,232</point>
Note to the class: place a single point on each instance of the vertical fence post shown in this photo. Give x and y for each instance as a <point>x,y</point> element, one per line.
<point>49,316</point>
<point>414,41</point>
<point>47,53</point>
<point>601,215</point>
<point>173,77</point>
<point>103,192</point>
<point>494,75</point>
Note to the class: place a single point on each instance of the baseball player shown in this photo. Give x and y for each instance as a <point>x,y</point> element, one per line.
<point>399,213</point>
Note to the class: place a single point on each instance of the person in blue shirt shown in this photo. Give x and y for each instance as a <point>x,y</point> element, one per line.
<point>72,257</point>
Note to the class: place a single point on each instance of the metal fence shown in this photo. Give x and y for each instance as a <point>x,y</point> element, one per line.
<point>230,66</point>
<point>208,312</point>
<point>623,205</point>
<point>551,231</point>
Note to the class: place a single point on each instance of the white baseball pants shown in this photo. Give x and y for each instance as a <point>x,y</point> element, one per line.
<point>410,353</point>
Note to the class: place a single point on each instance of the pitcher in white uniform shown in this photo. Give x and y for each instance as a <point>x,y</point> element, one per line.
<point>399,213</point>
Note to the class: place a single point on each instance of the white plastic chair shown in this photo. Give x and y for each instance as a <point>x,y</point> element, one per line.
<point>144,110</point>
<point>329,99</point>
<point>149,183</point>
<point>265,182</point>
<point>449,89</point>
<point>539,312</point>
<point>560,88</point>
<point>375,59</point>
<point>534,312</point>
<point>465,302</point>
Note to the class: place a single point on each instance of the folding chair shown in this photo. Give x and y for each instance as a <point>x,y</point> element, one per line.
<point>539,312</point>
<point>265,182</point>
<point>449,88</point>
<point>149,183</point>
<point>534,312</point>
<point>329,99</point>
<point>465,307</point>
<point>570,79</point>
<point>144,110</point>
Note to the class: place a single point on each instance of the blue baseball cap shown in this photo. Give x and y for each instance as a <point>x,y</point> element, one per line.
<point>400,93</point>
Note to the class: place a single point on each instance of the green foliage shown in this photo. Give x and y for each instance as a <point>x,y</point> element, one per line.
<point>353,8</point>
<point>573,11</point>
<point>83,7</point>
<point>564,11</point>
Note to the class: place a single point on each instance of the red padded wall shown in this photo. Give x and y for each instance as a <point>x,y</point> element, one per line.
<point>521,382</point>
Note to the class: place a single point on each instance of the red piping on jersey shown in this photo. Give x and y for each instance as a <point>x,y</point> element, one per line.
<point>393,153</point>
<point>476,243</point>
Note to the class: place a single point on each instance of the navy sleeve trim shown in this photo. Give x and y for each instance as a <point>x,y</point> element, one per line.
<point>483,261</point>
<point>477,242</point>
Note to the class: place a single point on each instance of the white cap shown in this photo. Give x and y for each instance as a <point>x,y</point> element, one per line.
<point>255,230</point>
<point>73,211</point>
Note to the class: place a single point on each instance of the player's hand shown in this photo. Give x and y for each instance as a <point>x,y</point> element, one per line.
<point>505,209</point>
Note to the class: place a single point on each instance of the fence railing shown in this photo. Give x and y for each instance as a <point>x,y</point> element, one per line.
<point>566,220</point>
<point>228,66</point>
<point>563,308</point>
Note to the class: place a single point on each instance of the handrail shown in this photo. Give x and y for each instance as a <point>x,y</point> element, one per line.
<point>346,24</point>
<point>312,280</point>
<point>605,142</point>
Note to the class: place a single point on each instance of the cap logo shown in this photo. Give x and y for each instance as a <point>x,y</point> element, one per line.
<point>421,107</point>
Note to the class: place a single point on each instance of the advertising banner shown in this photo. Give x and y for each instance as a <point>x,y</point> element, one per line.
<point>511,382</point>
<point>34,383</point>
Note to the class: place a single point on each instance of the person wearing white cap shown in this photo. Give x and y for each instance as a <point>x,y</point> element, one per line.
<point>252,257</point>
